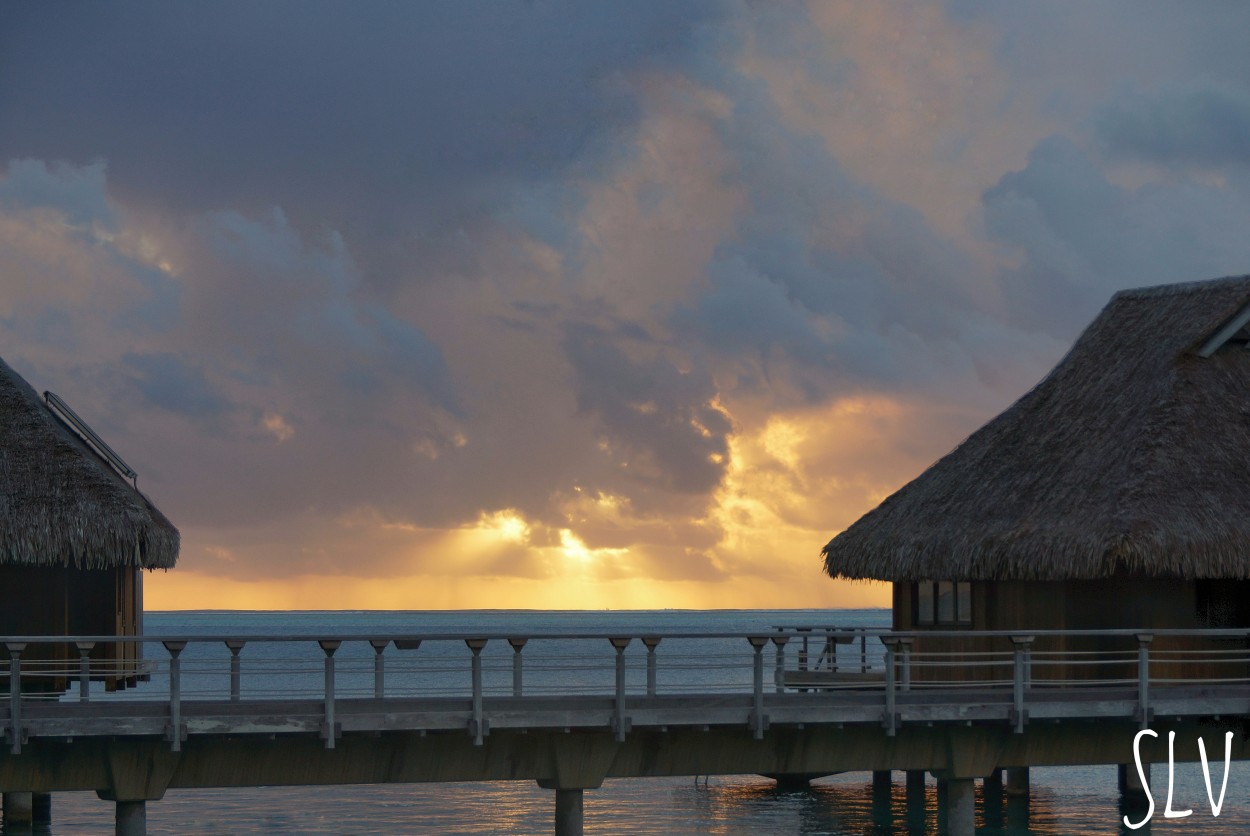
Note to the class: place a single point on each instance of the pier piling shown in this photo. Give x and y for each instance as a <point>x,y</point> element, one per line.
<point>41,807</point>
<point>915,798</point>
<point>992,799</point>
<point>131,818</point>
<point>959,799</point>
<point>1018,814</point>
<point>993,782</point>
<point>1133,793</point>
<point>1018,782</point>
<point>569,812</point>
<point>18,808</point>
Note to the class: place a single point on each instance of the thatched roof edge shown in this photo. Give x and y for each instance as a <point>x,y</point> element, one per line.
<point>60,503</point>
<point>1127,457</point>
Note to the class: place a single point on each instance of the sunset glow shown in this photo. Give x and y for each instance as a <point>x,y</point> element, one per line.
<point>637,318</point>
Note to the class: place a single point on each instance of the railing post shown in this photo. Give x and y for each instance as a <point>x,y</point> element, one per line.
<point>904,646</point>
<point>1144,712</point>
<point>1021,677</point>
<point>779,675</point>
<point>15,695</point>
<point>379,667</point>
<point>759,722</point>
<point>863,652</point>
<point>620,722</point>
<point>803,650</point>
<point>477,725</point>
<point>84,670</point>
<point>174,648</point>
<point>235,646</point>
<point>517,645</point>
<point>890,720</point>
<point>1028,666</point>
<point>330,729</point>
<point>652,642</point>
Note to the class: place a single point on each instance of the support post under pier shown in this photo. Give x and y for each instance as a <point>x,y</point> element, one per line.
<point>41,807</point>
<point>882,801</point>
<point>569,812</point>
<point>992,800</point>
<point>1133,793</point>
<point>960,804</point>
<point>18,808</point>
<point>1018,814</point>
<point>915,799</point>
<point>882,792</point>
<point>1018,781</point>
<point>131,818</point>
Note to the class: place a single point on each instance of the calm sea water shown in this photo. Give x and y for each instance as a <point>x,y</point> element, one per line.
<point>1064,800</point>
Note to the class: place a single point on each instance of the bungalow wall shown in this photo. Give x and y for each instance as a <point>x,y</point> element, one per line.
<point>63,601</point>
<point>1108,603</point>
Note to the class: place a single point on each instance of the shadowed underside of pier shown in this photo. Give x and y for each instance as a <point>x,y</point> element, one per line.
<point>135,768</point>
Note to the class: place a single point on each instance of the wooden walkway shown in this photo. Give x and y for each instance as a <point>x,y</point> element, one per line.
<point>570,712</point>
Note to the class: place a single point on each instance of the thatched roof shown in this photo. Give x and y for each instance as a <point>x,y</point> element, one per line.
<point>1132,455</point>
<point>60,503</point>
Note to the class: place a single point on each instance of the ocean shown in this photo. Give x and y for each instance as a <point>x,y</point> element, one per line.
<point>1063,800</point>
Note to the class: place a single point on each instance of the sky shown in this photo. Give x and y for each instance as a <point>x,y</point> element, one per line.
<point>576,304</point>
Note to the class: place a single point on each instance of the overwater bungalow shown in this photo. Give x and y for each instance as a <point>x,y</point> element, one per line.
<point>1114,494</point>
<point>75,533</point>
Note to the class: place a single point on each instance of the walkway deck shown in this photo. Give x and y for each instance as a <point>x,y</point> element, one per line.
<point>570,712</point>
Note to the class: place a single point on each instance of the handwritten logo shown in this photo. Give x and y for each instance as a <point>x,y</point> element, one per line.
<point>1168,812</point>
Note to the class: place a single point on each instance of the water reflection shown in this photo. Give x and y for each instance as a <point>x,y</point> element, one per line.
<point>1063,801</point>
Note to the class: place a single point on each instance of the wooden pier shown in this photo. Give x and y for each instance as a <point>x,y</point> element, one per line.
<point>572,711</point>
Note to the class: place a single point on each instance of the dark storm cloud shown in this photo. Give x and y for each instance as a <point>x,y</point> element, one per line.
<point>77,193</point>
<point>61,199</point>
<point>361,284</point>
<point>170,382</point>
<point>746,312</point>
<point>306,318</point>
<point>828,284</point>
<point>1082,237</point>
<point>260,357</point>
<point>361,120</point>
<point>1202,126</point>
<point>659,421</point>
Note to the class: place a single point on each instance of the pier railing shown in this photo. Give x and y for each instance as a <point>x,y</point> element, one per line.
<point>229,684</point>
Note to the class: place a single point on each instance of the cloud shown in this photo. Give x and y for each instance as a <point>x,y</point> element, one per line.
<point>68,271</point>
<point>437,305</point>
<point>76,193</point>
<point>278,426</point>
<point>1078,237</point>
<point>403,125</point>
<point>825,285</point>
<point>307,312</point>
<point>207,330</point>
<point>1206,126</point>
<point>168,381</point>
<point>746,312</point>
<point>659,422</point>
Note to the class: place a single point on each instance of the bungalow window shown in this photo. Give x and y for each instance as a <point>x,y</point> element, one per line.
<point>943,603</point>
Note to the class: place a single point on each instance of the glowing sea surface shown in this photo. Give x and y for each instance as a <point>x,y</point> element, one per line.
<point>1064,800</point>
